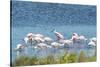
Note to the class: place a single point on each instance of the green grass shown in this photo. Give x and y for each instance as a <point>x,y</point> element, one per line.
<point>91,59</point>
<point>72,58</point>
<point>82,57</point>
<point>24,60</point>
<point>66,58</point>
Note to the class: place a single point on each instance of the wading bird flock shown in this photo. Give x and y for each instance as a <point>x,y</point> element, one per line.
<point>39,41</point>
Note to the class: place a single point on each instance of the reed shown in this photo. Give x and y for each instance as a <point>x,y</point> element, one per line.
<point>51,59</point>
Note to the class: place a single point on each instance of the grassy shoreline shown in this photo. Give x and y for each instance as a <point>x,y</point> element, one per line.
<point>66,58</point>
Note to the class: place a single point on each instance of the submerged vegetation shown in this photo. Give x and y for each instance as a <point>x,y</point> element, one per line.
<point>51,59</point>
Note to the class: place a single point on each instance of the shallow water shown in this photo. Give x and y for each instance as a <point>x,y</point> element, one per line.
<point>18,33</point>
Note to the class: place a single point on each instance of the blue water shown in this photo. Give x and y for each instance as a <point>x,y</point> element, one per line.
<point>18,33</point>
<point>42,18</point>
<point>37,13</point>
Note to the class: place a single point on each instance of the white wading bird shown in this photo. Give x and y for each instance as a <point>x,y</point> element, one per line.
<point>92,42</point>
<point>39,35</point>
<point>29,38</point>
<point>68,42</point>
<point>28,41</point>
<point>38,40</point>
<point>20,49</point>
<point>56,44</point>
<point>42,46</point>
<point>30,35</point>
<point>94,39</point>
<point>77,38</point>
<point>61,40</point>
<point>48,40</point>
<point>82,38</point>
<point>58,35</point>
<point>33,39</point>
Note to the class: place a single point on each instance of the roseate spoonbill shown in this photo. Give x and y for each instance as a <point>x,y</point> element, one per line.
<point>58,35</point>
<point>78,39</point>
<point>56,44</point>
<point>30,35</point>
<point>20,49</point>
<point>92,41</point>
<point>75,37</point>
<point>48,40</point>
<point>29,41</point>
<point>38,40</point>
<point>42,46</point>
<point>29,38</point>
<point>68,42</point>
<point>39,35</point>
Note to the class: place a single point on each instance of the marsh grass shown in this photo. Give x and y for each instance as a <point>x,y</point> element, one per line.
<point>91,59</point>
<point>82,57</point>
<point>51,59</point>
<point>24,60</point>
